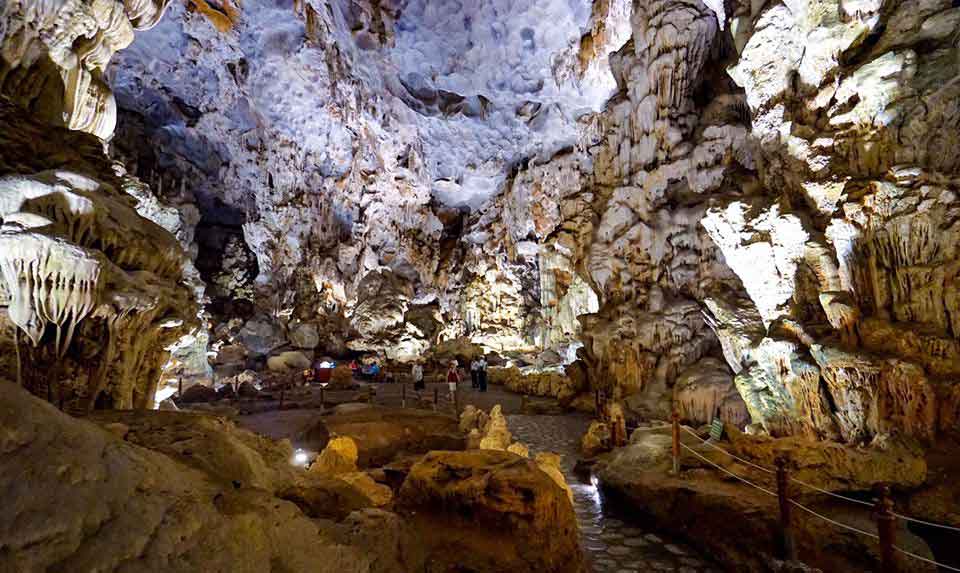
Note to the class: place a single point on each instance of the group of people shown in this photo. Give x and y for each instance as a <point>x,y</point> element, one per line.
<point>478,375</point>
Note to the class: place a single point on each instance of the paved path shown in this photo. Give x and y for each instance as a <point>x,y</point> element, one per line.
<point>612,543</point>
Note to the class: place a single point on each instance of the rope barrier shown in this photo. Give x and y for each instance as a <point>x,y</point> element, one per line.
<point>809,485</point>
<point>795,503</point>
<point>922,522</point>
<point>834,522</point>
<point>925,560</point>
<point>728,472</point>
<point>716,447</point>
<point>830,493</point>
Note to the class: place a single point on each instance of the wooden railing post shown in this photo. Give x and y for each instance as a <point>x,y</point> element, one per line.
<point>179,387</point>
<point>783,495</point>
<point>886,529</point>
<point>676,442</point>
<point>403,394</point>
<point>436,398</point>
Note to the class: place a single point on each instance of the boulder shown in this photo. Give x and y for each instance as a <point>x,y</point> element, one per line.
<point>387,537</point>
<point>260,336</point>
<point>519,449</point>
<point>489,510</point>
<point>496,434</point>
<point>168,405</point>
<point>596,440</point>
<point>379,495</point>
<point>472,418</point>
<point>338,457</point>
<point>198,393</point>
<point>382,434</point>
<point>290,361</point>
<point>549,463</point>
<point>304,335</point>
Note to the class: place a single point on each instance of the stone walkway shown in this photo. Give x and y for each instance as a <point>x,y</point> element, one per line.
<point>611,542</point>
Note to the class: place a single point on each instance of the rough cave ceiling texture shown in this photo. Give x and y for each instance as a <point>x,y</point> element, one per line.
<point>667,183</point>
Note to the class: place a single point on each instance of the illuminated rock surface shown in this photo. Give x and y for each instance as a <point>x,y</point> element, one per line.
<point>743,209</point>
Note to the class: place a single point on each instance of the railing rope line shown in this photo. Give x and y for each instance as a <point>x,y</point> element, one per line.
<point>835,522</point>
<point>728,472</point>
<point>924,559</point>
<point>830,493</point>
<point>716,447</point>
<point>884,500</point>
<point>931,524</point>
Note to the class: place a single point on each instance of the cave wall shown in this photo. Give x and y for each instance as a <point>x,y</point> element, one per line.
<point>699,201</point>
<point>779,202</point>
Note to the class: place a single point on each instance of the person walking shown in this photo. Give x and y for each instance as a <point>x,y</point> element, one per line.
<point>417,374</point>
<point>453,378</point>
<point>482,373</point>
<point>474,373</point>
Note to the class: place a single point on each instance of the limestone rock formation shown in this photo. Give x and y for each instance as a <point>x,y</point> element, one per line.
<point>97,295</point>
<point>382,434</point>
<point>739,524</point>
<point>534,381</point>
<point>706,390</point>
<point>490,510</point>
<point>55,54</point>
<point>338,457</point>
<point>117,503</point>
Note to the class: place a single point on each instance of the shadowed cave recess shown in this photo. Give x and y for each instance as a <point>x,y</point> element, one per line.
<point>479,286</point>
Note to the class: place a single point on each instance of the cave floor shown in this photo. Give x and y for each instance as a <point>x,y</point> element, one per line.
<point>614,540</point>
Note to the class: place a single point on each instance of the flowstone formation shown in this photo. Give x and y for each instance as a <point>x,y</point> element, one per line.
<point>93,297</point>
<point>55,54</point>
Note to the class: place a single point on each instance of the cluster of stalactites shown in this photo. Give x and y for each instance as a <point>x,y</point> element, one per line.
<point>49,283</point>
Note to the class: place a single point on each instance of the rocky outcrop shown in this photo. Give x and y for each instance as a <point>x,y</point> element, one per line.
<point>115,502</point>
<point>705,391</point>
<point>550,382</point>
<point>96,294</point>
<point>489,510</point>
<point>383,434</point>
<point>848,265</point>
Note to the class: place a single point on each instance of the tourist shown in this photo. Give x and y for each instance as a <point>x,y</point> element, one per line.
<point>482,373</point>
<point>453,378</point>
<point>474,373</point>
<point>417,374</point>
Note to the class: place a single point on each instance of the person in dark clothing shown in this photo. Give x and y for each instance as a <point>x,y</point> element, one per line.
<point>482,374</point>
<point>474,373</point>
